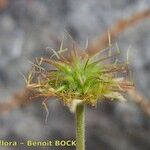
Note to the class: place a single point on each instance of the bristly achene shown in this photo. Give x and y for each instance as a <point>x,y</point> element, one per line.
<point>84,79</point>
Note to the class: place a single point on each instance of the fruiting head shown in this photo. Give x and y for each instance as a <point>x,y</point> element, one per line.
<point>80,79</point>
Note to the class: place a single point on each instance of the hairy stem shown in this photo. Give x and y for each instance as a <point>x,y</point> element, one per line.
<point>80,127</point>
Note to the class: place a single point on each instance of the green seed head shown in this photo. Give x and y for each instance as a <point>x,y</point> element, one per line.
<point>81,79</point>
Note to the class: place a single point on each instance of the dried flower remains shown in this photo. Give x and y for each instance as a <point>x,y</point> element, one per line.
<point>79,79</point>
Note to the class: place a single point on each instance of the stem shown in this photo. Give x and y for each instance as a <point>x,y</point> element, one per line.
<point>80,127</point>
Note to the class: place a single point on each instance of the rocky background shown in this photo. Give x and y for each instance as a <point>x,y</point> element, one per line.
<point>29,27</point>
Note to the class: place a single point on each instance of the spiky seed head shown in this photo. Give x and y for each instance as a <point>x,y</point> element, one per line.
<point>80,79</point>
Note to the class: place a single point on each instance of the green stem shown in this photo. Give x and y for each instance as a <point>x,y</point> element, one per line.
<point>80,127</point>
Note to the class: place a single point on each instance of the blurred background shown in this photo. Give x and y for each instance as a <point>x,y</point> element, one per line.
<point>28,28</point>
